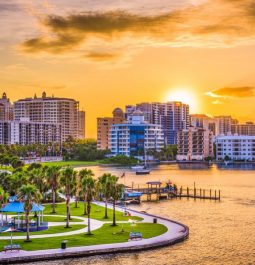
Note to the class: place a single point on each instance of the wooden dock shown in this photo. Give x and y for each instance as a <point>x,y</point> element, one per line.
<point>157,193</point>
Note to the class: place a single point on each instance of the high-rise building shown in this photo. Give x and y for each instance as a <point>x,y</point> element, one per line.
<point>194,144</point>
<point>173,116</point>
<point>235,147</point>
<point>6,108</point>
<point>50,110</point>
<point>81,124</point>
<point>26,132</point>
<point>243,129</point>
<point>223,124</point>
<point>203,121</point>
<point>104,125</point>
<point>135,137</point>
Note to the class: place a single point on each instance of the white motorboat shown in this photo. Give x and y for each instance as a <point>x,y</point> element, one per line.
<point>144,171</point>
<point>137,167</point>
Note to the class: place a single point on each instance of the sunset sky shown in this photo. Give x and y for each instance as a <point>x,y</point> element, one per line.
<point>108,53</point>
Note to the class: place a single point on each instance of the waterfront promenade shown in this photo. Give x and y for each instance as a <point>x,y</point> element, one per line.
<point>176,232</point>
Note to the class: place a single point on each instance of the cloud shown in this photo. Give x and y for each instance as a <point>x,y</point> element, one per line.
<point>101,56</point>
<point>69,32</point>
<point>217,102</point>
<point>215,23</point>
<point>232,92</point>
<point>9,7</point>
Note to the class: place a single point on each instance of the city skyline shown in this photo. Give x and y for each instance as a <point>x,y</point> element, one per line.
<point>144,52</point>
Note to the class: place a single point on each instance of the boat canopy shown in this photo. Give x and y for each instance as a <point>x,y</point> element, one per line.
<point>133,194</point>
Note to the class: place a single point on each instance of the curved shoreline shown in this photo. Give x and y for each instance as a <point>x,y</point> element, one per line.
<point>176,233</point>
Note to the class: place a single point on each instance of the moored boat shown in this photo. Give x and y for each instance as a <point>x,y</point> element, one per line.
<point>144,171</point>
<point>137,167</point>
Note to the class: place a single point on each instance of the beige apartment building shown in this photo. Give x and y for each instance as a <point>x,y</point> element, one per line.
<point>204,121</point>
<point>6,108</point>
<point>104,126</point>
<point>81,124</point>
<point>54,110</point>
<point>223,124</point>
<point>194,144</point>
<point>243,129</point>
<point>26,132</point>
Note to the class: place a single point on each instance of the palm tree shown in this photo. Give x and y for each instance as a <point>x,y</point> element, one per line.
<point>105,181</point>
<point>90,193</point>
<point>52,175</point>
<point>36,177</point>
<point>29,194</point>
<point>116,193</point>
<point>84,175</point>
<point>3,196</point>
<point>68,179</point>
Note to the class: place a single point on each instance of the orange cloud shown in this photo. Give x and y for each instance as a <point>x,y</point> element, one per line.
<point>232,92</point>
<point>214,23</point>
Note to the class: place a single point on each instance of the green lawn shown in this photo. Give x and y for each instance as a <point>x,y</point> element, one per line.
<point>51,230</point>
<point>6,168</point>
<point>73,163</point>
<point>104,235</point>
<point>97,212</point>
<point>51,219</point>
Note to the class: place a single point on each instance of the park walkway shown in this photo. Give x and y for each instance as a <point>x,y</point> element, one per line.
<point>176,232</point>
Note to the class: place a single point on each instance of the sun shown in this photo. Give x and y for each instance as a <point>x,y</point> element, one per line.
<point>185,95</point>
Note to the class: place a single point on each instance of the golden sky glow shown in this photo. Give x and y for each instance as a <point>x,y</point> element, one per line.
<point>108,53</point>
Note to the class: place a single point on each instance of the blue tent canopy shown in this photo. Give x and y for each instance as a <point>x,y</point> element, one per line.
<point>18,207</point>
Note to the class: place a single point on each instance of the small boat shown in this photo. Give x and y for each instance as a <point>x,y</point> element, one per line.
<point>137,167</point>
<point>144,171</point>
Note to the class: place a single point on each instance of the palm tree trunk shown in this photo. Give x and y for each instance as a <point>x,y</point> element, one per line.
<point>105,210</point>
<point>53,201</point>
<point>27,227</point>
<point>85,206</point>
<point>114,214</point>
<point>89,229</point>
<point>67,210</point>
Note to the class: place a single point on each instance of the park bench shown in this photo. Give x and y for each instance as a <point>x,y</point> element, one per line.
<point>11,248</point>
<point>135,236</point>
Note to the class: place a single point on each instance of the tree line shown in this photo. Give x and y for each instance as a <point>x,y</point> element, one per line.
<point>35,183</point>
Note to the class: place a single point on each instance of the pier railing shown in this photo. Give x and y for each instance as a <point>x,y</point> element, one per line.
<point>182,192</point>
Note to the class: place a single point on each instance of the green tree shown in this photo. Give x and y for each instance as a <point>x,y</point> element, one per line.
<point>116,193</point>
<point>3,197</point>
<point>90,193</point>
<point>36,177</point>
<point>68,179</point>
<point>52,175</point>
<point>84,175</point>
<point>28,194</point>
<point>106,185</point>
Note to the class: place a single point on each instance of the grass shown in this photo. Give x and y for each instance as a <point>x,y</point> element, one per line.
<point>104,235</point>
<point>73,163</point>
<point>51,230</point>
<point>9,168</point>
<point>51,218</point>
<point>97,212</point>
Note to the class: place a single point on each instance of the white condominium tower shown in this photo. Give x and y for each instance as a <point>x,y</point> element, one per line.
<point>235,147</point>
<point>55,110</point>
<point>135,137</point>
